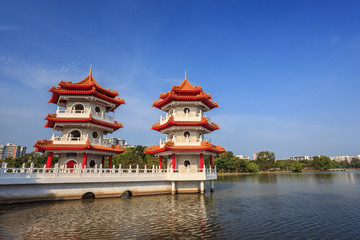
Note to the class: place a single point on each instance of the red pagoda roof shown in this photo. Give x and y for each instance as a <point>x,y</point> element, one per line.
<point>185,92</point>
<point>169,146</point>
<point>87,86</point>
<point>52,119</point>
<point>204,123</point>
<point>186,87</point>
<point>42,145</point>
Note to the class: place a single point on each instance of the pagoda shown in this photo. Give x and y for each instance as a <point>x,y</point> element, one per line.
<point>83,117</point>
<point>185,125</point>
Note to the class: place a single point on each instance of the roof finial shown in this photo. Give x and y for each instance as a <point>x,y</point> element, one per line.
<point>90,73</point>
<point>185,74</point>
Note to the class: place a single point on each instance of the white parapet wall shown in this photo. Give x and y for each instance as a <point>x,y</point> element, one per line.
<point>35,184</point>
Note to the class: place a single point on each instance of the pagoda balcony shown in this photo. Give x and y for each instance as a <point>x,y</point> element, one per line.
<point>81,140</point>
<point>62,174</point>
<point>65,113</point>
<point>101,116</point>
<point>185,142</point>
<point>181,117</point>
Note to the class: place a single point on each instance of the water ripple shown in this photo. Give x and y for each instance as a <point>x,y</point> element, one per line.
<point>277,206</point>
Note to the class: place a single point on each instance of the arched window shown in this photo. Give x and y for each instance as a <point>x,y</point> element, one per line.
<point>187,163</point>
<point>78,108</point>
<point>171,136</point>
<point>75,135</point>
<point>186,110</point>
<point>70,164</point>
<point>187,134</point>
<point>95,134</point>
<point>97,109</point>
<point>92,163</point>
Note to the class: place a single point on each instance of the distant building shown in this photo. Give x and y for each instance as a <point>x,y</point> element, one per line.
<point>254,156</point>
<point>1,151</point>
<point>342,158</point>
<point>243,157</point>
<point>298,158</point>
<point>11,150</point>
<point>119,141</point>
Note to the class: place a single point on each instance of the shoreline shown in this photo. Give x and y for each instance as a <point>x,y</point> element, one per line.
<point>6,208</point>
<point>272,172</point>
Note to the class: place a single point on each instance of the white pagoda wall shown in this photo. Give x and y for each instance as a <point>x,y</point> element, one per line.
<point>194,159</point>
<point>179,135</point>
<point>86,104</point>
<point>63,159</point>
<point>180,109</point>
<point>84,131</point>
<point>180,158</point>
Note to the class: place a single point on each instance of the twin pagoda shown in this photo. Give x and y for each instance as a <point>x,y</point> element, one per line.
<point>185,124</point>
<point>83,118</point>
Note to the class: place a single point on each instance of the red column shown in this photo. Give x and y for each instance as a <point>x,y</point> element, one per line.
<point>49,160</point>
<point>110,162</point>
<point>84,160</point>
<point>103,161</point>
<point>160,162</point>
<point>201,162</point>
<point>173,160</point>
<point>211,162</point>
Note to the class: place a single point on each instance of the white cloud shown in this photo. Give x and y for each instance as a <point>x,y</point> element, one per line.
<point>248,134</point>
<point>8,28</point>
<point>335,39</point>
<point>38,76</point>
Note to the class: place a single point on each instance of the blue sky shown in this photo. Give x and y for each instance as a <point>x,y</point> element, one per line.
<point>284,73</point>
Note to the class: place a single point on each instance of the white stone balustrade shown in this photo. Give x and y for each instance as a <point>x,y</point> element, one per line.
<point>80,140</point>
<point>135,174</point>
<point>101,142</point>
<point>188,142</point>
<point>102,116</point>
<point>180,116</point>
<point>65,113</point>
<point>185,141</point>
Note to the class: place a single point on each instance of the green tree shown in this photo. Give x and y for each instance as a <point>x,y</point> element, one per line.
<point>345,164</point>
<point>227,162</point>
<point>321,163</point>
<point>283,165</point>
<point>38,159</point>
<point>355,163</point>
<point>296,167</point>
<point>265,160</point>
<point>136,156</point>
<point>252,167</point>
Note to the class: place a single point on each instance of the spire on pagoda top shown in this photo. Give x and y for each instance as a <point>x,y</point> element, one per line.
<point>87,86</point>
<point>185,92</point>
<point>186,86</point>
<point>90,73</point>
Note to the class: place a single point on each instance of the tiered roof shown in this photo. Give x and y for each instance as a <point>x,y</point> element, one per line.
<point>88,87</point>
<point>52,119</point>
<point>185,92</point>
<point>204,123</point>
<point>169,146</point>
<point>42,145</point>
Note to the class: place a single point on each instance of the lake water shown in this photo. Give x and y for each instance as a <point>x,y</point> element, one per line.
<point>266,206</point>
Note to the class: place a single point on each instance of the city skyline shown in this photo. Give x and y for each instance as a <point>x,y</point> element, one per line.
<point>285,75</point>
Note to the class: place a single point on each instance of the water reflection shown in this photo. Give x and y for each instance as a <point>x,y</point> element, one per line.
<point>295,206</point>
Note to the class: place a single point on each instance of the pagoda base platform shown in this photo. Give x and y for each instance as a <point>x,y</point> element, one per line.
<point>33,184</point>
